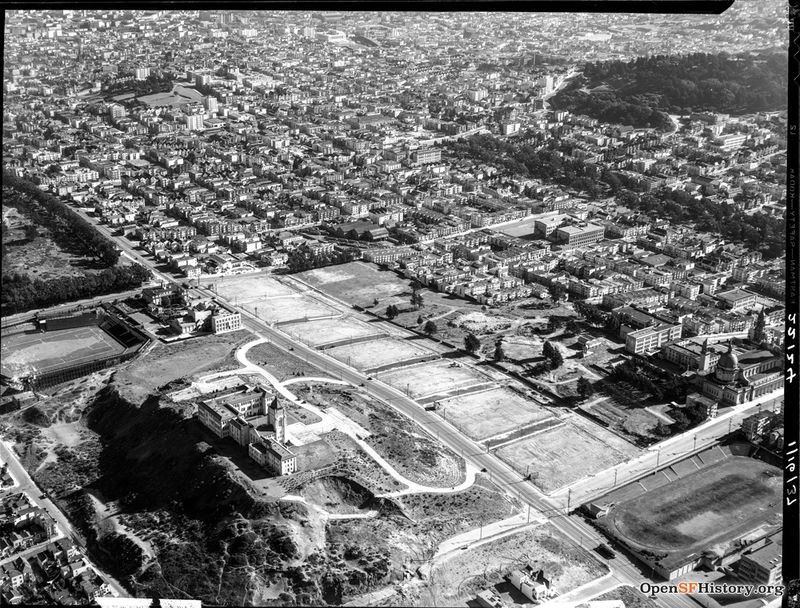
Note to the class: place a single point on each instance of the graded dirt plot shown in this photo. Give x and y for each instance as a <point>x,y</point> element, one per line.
<point>180,360</point>
<point>290,308</point>
<point>560,456</point>
<point>433,378</point>
<point>328,331</point>
<point>488,413</point>
<point>358,283</point>
<point>715,503</point>
<point>250,288</point>
<point>281,364</point>
<point>457,580</point>
<point>377,353</point>
<point>23,354</point>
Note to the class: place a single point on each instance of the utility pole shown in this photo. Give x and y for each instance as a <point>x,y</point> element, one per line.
<point>615,475</point>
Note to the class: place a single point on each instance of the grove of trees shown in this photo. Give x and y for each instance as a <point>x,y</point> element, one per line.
<point>21,293</point>
<point>50,211</point>
<point>303,258</point>
<point>641,91</point>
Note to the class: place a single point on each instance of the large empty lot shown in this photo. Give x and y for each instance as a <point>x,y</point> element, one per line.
<point>251,287</point>
<point>434,378</point>
<point>358,283</point>
<point>328,331</point>
<point>290,308</point>
<point>488,413</point>
<point>378,353</point>
<point>713,504</point>
<point>562,455</point>
<point>25,353</point>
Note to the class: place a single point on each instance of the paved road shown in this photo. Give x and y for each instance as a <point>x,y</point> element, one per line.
<point>623,570</point>
<point>34,493</point>
<point>671,450</point>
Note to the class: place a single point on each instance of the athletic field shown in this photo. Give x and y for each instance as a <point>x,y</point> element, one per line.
<point>24,354</point>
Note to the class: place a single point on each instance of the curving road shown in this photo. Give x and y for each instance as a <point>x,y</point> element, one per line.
<point>340,423</point>
<point>624,571</point>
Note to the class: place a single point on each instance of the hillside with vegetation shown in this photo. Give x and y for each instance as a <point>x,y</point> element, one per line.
<point>641,92</point>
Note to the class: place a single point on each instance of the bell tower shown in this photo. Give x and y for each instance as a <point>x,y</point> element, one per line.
<point>276,417</point>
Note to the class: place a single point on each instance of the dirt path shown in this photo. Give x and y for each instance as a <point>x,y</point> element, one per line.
<point>105,514</point>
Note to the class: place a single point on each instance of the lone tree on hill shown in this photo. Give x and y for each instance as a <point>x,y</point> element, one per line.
<point>430,328</point>
<point>585,388</point>
<point>471,343</point>
<point>499,354</point>
<point>552,354</point>
<point>391,311</point>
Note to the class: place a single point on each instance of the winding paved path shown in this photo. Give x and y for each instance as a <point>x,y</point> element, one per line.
<point>330,421</point>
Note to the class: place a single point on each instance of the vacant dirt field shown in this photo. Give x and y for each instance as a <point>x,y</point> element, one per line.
<point>290,308</point>
<point>180,360</point>
<point>281,364</point>
<point>488,413</point>
<point>377,353</point>
<point>359,283</point>
<point>433,378</point>
<point>327,331</point>
<point>457,580</point>
<point>561,455</point>
<point>249,288</point>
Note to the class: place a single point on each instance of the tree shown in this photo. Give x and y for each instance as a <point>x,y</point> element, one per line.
<point>471,343</point>
<point>572,326</point>
<point>391,311</point>
<point>499,354</point>
<point>585,388</point>
<point>552,354</point>
<point>420,320</point>
<point>375,302</point>
<point>758,328</point>
<point>417,301</point>
<point>681,420</point>
<point>557,359</point>
<point>547,350</point>
<point>430,328</point>
<point>661,429</point>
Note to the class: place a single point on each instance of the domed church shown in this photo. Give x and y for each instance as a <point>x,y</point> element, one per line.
<point>743,376</point>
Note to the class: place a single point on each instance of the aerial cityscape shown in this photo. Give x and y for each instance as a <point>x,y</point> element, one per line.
<point>320,308</point>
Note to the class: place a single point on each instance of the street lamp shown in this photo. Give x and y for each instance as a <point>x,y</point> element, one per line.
<point>695,443</point>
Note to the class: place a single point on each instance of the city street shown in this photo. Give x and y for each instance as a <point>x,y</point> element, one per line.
<point>63,525</point>
<point>624,571</point>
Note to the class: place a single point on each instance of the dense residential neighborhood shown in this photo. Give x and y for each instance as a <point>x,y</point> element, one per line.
<point>329,308</point>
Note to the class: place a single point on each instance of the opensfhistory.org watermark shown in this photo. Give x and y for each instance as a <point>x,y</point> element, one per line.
<point>710,588</point>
